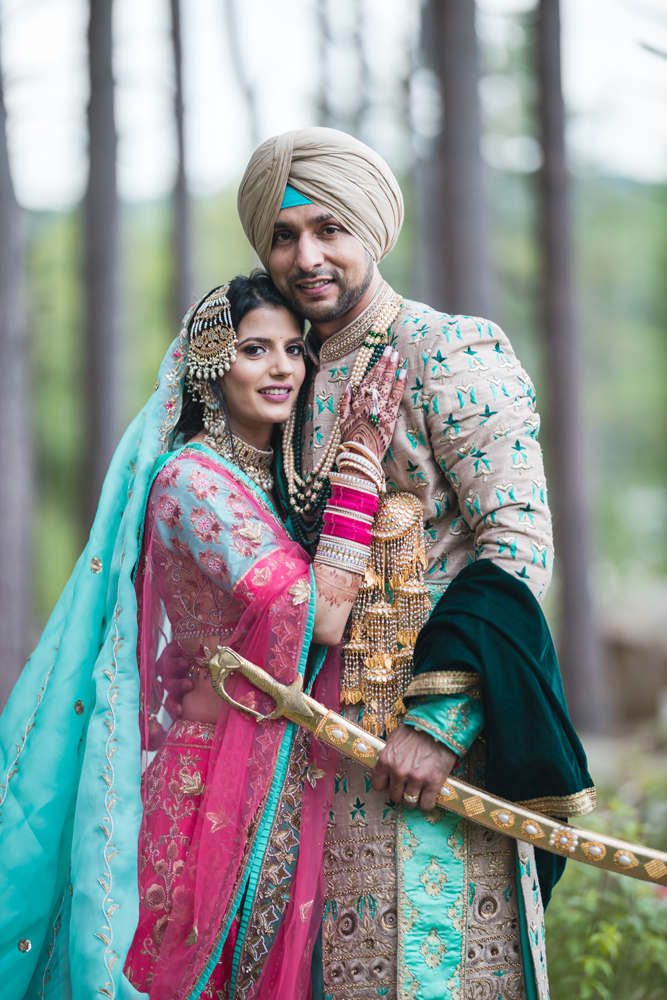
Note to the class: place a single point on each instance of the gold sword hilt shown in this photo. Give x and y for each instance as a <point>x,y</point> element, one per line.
<point>290,700</point>
<point>458,797</point>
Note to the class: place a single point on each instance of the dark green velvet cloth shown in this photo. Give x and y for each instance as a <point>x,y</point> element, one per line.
<point>489,622</point>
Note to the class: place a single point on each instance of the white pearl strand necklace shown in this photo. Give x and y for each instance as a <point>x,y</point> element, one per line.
<point>301,491</point>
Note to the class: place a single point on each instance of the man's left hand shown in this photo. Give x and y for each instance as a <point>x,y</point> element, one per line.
<point>413,766</point>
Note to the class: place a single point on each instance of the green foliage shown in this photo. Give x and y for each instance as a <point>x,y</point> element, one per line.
<point>607,933</point>
<point>54,305</point>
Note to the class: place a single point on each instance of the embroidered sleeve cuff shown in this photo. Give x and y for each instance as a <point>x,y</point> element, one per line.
<point>455,720</point>
<point>437,682</point>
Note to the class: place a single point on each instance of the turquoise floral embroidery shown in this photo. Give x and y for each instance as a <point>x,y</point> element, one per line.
<point>357,811</point>
<point>339,374</point>
<point>463,390</point>
<point>527,512</point>
<point>507,543</point>
<point>505,492</point>
<point>415,436</point>
<point>324,399</point>
<point>417,477</point>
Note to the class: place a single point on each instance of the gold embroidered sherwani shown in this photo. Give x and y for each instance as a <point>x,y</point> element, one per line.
<point>465,441</point>
<point>465,444</point>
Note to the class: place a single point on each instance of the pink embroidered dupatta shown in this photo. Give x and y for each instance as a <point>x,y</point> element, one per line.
<point>217,567</point>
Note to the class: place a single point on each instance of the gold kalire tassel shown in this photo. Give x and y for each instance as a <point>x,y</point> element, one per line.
<point>391,608</point>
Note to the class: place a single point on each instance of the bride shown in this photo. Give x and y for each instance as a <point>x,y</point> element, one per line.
<point>182,857</point>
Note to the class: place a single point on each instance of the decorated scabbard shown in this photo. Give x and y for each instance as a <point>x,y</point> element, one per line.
<point>465,800</point>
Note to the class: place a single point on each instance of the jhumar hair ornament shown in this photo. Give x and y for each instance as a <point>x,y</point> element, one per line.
<point>211,353</point>
<point>212,349</point>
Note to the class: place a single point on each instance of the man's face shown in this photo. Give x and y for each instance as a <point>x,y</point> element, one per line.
<point>321,268</point>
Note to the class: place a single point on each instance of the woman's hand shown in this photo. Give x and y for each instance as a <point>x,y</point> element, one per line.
<point>173,667</point>
<point>382,391</point>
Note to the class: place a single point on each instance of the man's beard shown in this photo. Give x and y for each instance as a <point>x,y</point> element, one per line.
<point>348,295</point>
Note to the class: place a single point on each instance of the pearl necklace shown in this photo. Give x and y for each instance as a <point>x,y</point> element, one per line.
<point>303,490</point>
<point>255,463</point>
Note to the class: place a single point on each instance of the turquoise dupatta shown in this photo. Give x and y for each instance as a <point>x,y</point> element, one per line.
<point>77,796</point>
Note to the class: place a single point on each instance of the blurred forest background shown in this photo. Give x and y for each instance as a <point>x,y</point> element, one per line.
<point>124,131</point>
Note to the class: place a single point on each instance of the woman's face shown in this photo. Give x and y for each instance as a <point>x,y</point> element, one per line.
<point>261,387</point>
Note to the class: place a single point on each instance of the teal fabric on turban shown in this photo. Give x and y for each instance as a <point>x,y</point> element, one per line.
<point>292,198</point>
<point>333,170</point>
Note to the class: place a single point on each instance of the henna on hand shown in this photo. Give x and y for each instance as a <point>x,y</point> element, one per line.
<point>336,586</point>
<point>355,410</point>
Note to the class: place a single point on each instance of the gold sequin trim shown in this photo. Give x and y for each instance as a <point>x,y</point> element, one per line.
<point>563,805</point>
<point>24,945</point>
<point>473,806</point>
<point>656,868</point>
<point>439,734</point>
<point>96,565</point>
<point>353,335</point>
<point>444,682</point>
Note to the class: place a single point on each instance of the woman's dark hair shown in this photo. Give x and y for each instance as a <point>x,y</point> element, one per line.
<point>244,294</point>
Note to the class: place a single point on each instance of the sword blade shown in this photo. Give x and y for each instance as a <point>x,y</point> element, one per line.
<point>474,804</point>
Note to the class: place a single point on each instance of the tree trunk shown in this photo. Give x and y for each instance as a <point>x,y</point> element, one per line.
<point>182,254</point>
<point>579,644</point>
<point>432,280</point>
<point>102,347</point>
<point>458,269</point>
<point>16,480</point>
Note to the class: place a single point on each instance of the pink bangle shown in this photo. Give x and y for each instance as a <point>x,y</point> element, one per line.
<point>330,518</point>
<point>354,515</point>
<point>333,521</point>
<point>352,534</point>
<point>355,501</point>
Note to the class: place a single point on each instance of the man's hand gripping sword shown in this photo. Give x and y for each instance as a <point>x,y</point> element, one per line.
<point>465,800</point>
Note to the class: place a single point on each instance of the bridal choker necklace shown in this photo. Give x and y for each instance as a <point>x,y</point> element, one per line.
<point>255,463</point>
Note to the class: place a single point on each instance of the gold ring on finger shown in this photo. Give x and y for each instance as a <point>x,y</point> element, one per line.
<point>412,800</point>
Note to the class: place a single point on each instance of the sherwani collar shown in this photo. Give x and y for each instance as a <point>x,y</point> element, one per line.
<point>352,336</point>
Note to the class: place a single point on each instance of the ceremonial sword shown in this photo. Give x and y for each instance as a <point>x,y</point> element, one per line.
<point>458,797</point>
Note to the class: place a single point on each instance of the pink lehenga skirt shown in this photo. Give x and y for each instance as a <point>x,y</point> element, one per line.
<point>174,783</point>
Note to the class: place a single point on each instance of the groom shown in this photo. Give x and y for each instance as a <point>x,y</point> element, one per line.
<point>417,902</point>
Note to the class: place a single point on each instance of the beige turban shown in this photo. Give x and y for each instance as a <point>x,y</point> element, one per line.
<point>335,171</point>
